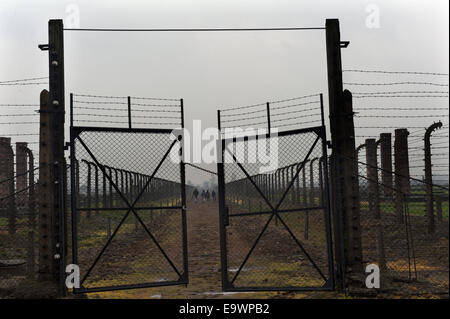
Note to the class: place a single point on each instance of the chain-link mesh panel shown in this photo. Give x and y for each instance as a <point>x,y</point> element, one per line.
<point>385,236</point>
<point>18,227</point>
<point>265,250</point>
<point>395,232</point>
<point>431,250</point>
<point>117,245</point>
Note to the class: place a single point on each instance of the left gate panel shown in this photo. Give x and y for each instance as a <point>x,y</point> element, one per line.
<point>128,217</point>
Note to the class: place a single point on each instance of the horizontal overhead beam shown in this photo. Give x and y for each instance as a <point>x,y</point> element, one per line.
<point>194,29</point>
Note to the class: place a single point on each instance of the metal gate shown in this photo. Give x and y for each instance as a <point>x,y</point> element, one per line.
<point>275,223</point>
<point>128,199</point>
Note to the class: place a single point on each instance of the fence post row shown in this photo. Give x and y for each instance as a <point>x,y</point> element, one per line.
<point>343,162</point>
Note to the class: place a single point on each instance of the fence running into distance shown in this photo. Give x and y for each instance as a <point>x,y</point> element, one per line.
<point>393,186</point>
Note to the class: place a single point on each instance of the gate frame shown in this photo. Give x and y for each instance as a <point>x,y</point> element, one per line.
<point>75,131</point>
<point>320,131</point>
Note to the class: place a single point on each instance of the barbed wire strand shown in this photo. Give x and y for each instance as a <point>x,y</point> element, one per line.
<point>401,109</point>
<point>19,191</point>
<point>21,174</point>
<point>395,83</point>
<point>398,96</point>
<point>24,80</point>
<point>394,72</point>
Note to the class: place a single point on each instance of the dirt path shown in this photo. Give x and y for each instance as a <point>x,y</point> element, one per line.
<point>204,261</point>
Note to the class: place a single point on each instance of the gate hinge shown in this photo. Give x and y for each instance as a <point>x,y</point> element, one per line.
<point>66,146</point>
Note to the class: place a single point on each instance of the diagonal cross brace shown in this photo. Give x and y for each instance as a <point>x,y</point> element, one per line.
<point>130,208</point>
<point>275,212</point>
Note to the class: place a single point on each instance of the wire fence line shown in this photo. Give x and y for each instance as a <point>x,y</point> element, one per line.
<point>272,112</point>
<point>24,80</point>
<point>403,261</point>
<point>394,72</point>
<point>85,107</point>
<point>396,83</point>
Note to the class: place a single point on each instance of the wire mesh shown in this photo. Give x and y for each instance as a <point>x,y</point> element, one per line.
<point>128,210</point>
<point>287,249</point>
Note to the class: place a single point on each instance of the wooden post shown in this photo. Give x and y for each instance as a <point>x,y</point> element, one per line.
<point>345,200</point>
<point>51,178</point>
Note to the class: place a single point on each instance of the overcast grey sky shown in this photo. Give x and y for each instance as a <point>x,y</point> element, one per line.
<point>213,70</point>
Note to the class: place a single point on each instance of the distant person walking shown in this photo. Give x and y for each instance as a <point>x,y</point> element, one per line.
<point>207,195</point>
<point>203,195</point>
<point>195,194</point>
<point>213,195</point>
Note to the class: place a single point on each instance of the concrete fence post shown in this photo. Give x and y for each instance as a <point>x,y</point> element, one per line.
<point>429,177</point>
<point>22,178</point>
<point>372,177</point>
<point>374,198</point>
<point>402,182</point>
<point>31,191</point>
<point>386,164</point>
<point>7,188</point>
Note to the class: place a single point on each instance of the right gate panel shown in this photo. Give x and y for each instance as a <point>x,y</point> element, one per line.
<point>274,208</point>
